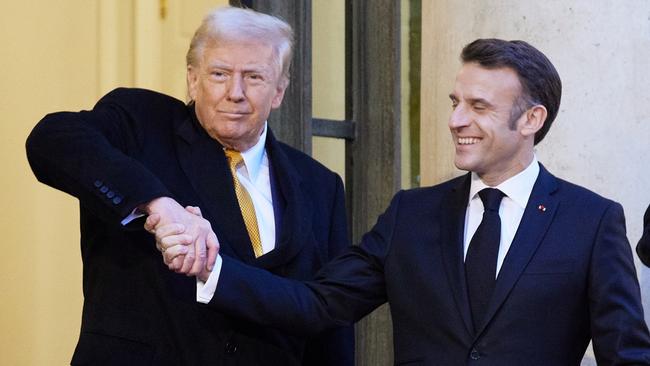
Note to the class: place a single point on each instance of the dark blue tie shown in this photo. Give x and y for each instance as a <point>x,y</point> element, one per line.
<point>481,259</point>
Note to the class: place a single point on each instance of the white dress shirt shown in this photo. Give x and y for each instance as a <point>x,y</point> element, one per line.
<point>517,190</point>
<point>254,175</point>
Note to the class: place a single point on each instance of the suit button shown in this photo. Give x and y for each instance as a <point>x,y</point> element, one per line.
<point>231,348</point>
<point>474,355</point>
<point>98,183</point>
<point>117,200</point>
<point>110,194</point>
<point>104,189</point>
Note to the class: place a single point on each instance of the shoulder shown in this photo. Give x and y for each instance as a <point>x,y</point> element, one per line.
<point>305,165</point>
<point>141,100</point>
<point>576,201</point>
<point>434,199</point>
<point>580,197</point>
<point>437,191</point>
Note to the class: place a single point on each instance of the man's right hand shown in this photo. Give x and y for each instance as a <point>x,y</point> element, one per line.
<point>171,239</point>
<point>200,246</point>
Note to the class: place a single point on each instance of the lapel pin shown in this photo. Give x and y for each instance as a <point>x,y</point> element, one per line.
<point>541,208</point>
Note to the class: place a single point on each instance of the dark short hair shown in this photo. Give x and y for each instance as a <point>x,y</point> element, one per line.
<point>539,80</point>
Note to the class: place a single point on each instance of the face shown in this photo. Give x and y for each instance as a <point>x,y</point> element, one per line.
<point>235,87</point>
<point>485,141</point>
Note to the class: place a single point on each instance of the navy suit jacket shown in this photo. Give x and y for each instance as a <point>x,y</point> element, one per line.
<point>136,145</point>
<point>568,277</point>
<point>643,247</point>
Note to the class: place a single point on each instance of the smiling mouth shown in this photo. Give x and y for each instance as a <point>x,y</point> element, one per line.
<point>233,112</point>
<point>468,140</point>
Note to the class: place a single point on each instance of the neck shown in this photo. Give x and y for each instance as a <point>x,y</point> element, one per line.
<point>493,179</point>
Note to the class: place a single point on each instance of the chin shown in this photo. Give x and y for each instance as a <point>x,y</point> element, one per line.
<point>229,132</point>
<point>462,164</point>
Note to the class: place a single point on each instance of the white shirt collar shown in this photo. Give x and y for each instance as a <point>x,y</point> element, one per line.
<point>254,157</point>
<point>517,188</point>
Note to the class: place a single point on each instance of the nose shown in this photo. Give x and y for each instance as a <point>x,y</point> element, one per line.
<point>236,89</point>
<point>459,117</point>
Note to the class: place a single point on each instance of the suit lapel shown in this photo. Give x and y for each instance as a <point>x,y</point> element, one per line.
<point>296,220</point>
<point>204,163</point>
<point>452,227</point>
<point>538,215</point>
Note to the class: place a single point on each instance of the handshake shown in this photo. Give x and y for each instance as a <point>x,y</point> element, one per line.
<point>185,239</point>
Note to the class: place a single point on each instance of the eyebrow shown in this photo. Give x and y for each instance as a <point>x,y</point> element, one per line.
<point>218,65</point>
<point>246,69</point>
<point>453,97</point>
<point>479,100</point>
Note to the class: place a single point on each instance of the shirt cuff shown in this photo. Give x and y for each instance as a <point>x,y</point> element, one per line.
<point>205,290</point>
<point>135,214</point>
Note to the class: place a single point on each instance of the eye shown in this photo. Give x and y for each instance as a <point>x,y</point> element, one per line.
<point>454,104</point>
<point>479,107</point>
<point>255,78</point>
<point>218,75</point>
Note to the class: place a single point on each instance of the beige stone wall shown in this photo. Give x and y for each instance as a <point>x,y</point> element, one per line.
<point>49,62</point>
<point>601,49</point>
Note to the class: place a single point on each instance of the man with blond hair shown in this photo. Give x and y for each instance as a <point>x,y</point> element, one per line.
<point>138,152</point>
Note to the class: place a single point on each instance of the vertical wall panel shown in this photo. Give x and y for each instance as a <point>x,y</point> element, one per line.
<point>373,157</point>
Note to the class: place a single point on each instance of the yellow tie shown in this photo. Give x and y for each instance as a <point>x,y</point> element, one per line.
<point>245,202</point>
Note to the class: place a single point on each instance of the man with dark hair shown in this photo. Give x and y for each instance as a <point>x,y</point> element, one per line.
<point>506,265</point>
<point>540,82</point>
<point>643,247</point>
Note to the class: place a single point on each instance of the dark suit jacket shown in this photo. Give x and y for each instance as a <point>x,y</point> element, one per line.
<point>136,145</point>
<point>643,247</point>
<point>568,277</point>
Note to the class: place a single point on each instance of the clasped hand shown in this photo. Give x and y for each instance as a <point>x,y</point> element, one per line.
<point>185,239</point>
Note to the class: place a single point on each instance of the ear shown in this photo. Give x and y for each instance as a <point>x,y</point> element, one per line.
<point>535,118</point>
<point>192,81</point>
<point>279,92</point>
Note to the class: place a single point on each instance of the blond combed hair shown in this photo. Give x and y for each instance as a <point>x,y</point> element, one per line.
<point>236,24</point>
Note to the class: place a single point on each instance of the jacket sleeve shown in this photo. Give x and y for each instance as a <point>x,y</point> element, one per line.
<point>643,247</point>
<point>344,291</point>
<point>334,347</point>
<point>90,155</point>
<point>618,329</point>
